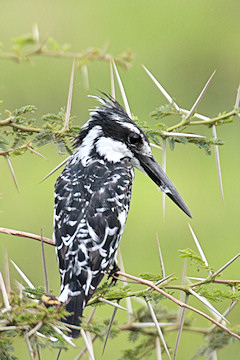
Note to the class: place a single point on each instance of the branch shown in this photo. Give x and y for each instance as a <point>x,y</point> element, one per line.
<point>86,55</point>
<point>137,279</point>
<point>10,122</point>
<point>178,302</point>
<point>27,235</point>
<point>205,122</point>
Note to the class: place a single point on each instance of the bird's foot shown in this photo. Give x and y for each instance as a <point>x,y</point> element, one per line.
<point>112,273</point>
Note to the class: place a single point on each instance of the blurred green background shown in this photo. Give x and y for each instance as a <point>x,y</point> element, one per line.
<point>181,42</point>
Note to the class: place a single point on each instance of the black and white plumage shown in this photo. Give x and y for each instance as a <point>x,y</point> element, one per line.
<point>92,198</point>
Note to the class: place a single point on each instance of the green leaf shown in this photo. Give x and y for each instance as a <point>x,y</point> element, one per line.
<point>163,111</point>
<point>195,258</point>
<point>141,351</point>
<point>25,109</point>
<point>133,336</point>
<point>54,44</point>
<point>216,341</point>
<point>24,40</point>
<point>171,142</point>
<point>43,138</point>
<point>219,295</point>
<point>3,143</point>
<point>37,292</point>
<point>181,139</point>
<point>204,145</point>
<point>151,277</point>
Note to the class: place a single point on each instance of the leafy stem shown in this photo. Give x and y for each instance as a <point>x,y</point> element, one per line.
<point>212,121</point>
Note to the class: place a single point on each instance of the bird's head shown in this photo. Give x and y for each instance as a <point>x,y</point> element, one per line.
<point>114,136</point>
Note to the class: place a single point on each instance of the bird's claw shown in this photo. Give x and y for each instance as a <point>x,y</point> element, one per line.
<point>112,273</point>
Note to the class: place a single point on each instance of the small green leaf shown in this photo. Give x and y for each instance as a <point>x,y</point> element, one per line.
<point>171,142</point>
<point>54,44</point>
<point>215,341</point>
<point>195,258</point>
<point>150,277</point>
<point>163,111</point>
<point>25,109</point>
<point>3,143</point>
<point>133,336</point>
<point>24,40</point>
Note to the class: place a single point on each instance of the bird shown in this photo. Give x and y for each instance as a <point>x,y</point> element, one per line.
<point>92,199</point>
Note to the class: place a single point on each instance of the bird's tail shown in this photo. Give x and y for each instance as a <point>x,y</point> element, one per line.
<point>75,306</point>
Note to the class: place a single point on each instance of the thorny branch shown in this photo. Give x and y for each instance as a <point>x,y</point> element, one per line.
<point>84,56</point>
<point>58,129</point>
<point>49,47</point>
<point>150,284</point>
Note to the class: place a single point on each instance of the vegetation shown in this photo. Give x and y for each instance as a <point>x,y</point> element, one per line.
<point>23,311</point>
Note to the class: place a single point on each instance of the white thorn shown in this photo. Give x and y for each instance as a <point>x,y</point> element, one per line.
<point>163,91</point>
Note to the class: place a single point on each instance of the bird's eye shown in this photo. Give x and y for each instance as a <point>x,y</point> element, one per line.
<point>134,138</point>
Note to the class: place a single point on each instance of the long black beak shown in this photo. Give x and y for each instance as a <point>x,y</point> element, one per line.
<point>156,173</point>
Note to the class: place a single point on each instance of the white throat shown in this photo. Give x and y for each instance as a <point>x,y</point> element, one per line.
<point>112,150</point>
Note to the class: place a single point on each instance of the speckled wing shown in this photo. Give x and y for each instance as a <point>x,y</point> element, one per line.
<point>91,207</point>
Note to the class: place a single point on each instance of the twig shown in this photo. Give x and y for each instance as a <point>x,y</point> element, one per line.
<point>30,148</point>
<point>169,133</point>
<point>160,257</point>
<point>85,349</point>
<point>87,344</point>
<point>183,278</point>
<point>116,305</point>
<point>84,69</point>
<point>88,335</point>
<point>12,172</point>
<point>9,122</point>
<point>69,102</point>
<point>33,330</point>
<point>144,282</point>
<point>128,300</point>
<point>4,292</point>
<point>55,169</point>
<point>163,91</point>
<point>27,146</point>
<point>87,54</point>
<point>217,156</point>
<point>91,315</point>
<point>30,350</point>
<point>158,327</point>
<point>59,353</point>
<point>179,303</point>
<point>158,349</point>
<point>38,352</point>
<point>204,259</point>
<point>109,328</point>
<point>137,325</point>
<point>226,312</point>
<point>124,97</point>
<point>44,266</point>
<point>25,278</point>
<point>182,317</point>
<point>237,98</point>
<point>164,165</point>
<point>191,112</point>
<point>7,273</point>
<point>65,337</point>
<point>113,94</point>
<point>226,265</point>
<point>26,235</point>
<point>13,327</point>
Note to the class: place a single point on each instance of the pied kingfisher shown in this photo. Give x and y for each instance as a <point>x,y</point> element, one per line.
<point>92,198</point>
